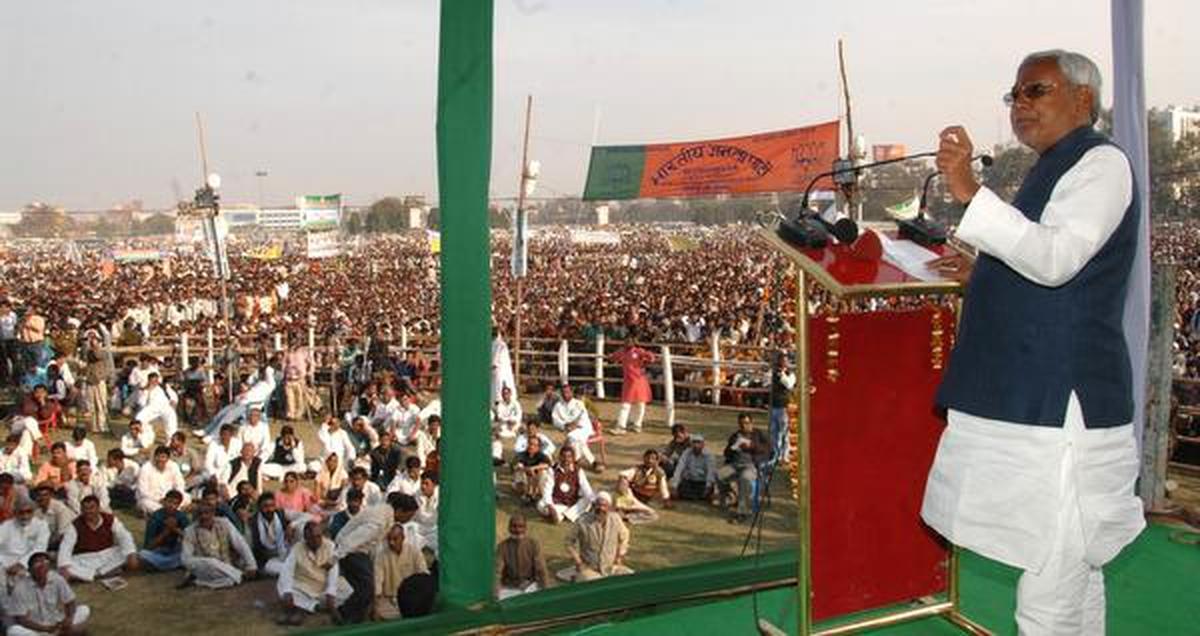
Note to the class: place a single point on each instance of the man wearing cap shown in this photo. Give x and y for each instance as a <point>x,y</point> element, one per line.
<point>695,476</point>
<point>597,543</point>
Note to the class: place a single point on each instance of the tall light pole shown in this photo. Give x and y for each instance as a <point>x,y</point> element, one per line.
<point>260,176</point>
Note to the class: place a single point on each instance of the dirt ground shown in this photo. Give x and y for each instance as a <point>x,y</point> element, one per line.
<point>689,533</point>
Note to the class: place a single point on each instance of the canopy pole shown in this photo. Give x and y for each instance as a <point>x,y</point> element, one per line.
<point>467,507</point>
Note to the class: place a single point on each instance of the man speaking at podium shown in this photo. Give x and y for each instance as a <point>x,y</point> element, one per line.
<point>1037,465</point>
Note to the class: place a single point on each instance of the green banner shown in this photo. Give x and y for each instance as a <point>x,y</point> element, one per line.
<point>615,172</point>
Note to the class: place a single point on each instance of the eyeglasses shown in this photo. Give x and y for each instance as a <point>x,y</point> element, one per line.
<point>1031,92</point>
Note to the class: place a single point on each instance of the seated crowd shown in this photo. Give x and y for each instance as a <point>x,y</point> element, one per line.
<point>362,542</point>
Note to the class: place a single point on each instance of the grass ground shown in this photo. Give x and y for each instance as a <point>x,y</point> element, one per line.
<point>689,533</point>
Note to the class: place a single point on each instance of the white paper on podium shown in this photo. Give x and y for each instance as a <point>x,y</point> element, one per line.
<point>908,257</point>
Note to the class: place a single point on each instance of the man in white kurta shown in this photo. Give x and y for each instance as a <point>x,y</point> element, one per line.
<point>157,403</point>
<point>158,477</point>
<point>310,577</point>
<point>80,560</point>
<point>1057,502</point>
<point>213,549</point>
<point>507,414</point>
<point>502,368</point>
<point>20,538</point>
<point>571,415</point>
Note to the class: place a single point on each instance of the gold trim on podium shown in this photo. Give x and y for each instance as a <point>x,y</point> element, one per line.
<point>949,608</point>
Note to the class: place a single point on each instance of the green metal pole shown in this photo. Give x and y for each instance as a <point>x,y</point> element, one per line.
<point>467,508</point>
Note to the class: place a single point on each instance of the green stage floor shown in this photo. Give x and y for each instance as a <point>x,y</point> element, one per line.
<point>1153,589</point>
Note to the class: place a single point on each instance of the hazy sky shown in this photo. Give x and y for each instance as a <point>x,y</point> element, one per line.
<point>340,95</point>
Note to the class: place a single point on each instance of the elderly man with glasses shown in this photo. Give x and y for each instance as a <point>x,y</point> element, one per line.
<point>1037,465</point>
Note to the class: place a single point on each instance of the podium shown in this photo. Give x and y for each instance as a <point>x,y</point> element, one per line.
<point>864,431</point>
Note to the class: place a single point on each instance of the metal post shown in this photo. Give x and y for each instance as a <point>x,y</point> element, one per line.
<point>803,503</point>
<point>600,366</point>
<point>668,385</point>
<point>1157,433</point>
<point>564,362</point>
<point>716,367</point>
<point>183,352</point>
<point>210,355</point>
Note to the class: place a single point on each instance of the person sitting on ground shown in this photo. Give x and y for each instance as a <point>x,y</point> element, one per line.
<point>567,493</point>
<point>545,407</point>
<point>648,481</point>
<point>157,402</point>
<point>336,441</point>
<point>269,539</point>
<point>14,461</point>
<point>627,504</point>
<point>425,442</point>
<point>294,499</point>
<point>255,395</point>
<point>426,518</point>
<point>43,603</point>
<point>247,466</point>
<point>534,429</point>
<point>96,545</point>
<point>257,432</point>
<point>10,494</point>
<point>41,407</point>
<point>80,447</point>
<point>158,477</point>
<point>387,406</point>
<point>20,538</point>
<point>162,546</point>
<point>356,545</point>
<point>676,446</point>
<point>138,443</point>
<point>404,423</point>
<point>310,578</point>
<point>220,452</point>
<point>287,455</point>
<point>531,472</point>
<point>394,561</point>
<point>597,543</point>
<point>32,443</point>
<point>56,471</point>
<point>242,507</point>
<point>215,554</point>
<point>409,481</point>
<point>54,512</point>
<point>86,484</point>
<point>745,451</point>
<point>120,476</point>
<point>506,415</point>
<point>372,494</point>
<point>385,460</point>
<point>364,437</point>
<point>190,464</point>
<point>520,564</point>
<point>571,416</point>
<point>695,477</point>
<point>331,477</point>
<point>354,503</point>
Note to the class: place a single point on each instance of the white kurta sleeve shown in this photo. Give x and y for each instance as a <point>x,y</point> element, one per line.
<point>239,544</point>
<point>331,580</point>
<point>122,538</point>
<point>66,548</point>
<point>1086,206</point>
<point>287,574</point>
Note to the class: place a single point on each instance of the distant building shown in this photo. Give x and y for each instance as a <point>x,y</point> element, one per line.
<point>281,218</point>
<point>10,218</point>
<point>1180,122</point>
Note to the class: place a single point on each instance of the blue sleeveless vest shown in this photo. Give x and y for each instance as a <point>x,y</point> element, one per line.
<point>1023,347</point>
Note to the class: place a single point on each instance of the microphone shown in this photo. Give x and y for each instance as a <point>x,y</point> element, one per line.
<point>921,230</point>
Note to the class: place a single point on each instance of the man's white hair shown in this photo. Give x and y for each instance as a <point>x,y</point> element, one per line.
<point>1078,68</point>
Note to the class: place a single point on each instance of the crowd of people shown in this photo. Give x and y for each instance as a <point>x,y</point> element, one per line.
<point>221,483</point>
<point>350,528</point>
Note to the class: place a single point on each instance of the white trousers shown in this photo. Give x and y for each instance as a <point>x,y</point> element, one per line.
<point>170,420</point>
<point>277,471</point>
<point>82,613</point>
<point>87,566</point>
<point>577,440</point>
<point>1066,598</point>
<point>509,592</point>
<point>310,604</point>
<point>213,573</point>
<point>623,416</point>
